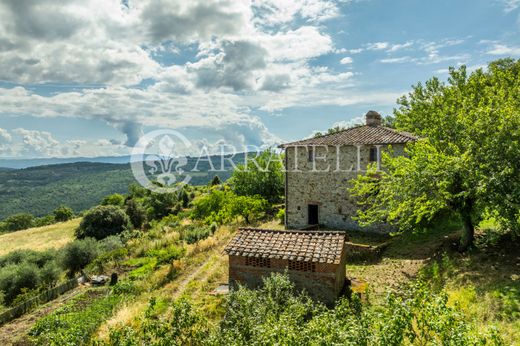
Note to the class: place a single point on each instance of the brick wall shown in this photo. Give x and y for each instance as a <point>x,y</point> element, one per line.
<point>324,283</point>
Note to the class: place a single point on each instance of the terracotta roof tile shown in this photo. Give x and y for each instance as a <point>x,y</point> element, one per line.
<point>359,135</point>
<point>307,246</point>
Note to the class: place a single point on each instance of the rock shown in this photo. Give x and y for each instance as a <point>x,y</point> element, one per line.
<point>99,280</point>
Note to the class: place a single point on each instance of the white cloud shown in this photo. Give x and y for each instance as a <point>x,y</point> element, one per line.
<point>510,5</point>
<point>502,49</point>
<point>377,46</point>
<point>346,60</point>
<point>399,60</point>
<point>5,137</point>
<point>274,12</point>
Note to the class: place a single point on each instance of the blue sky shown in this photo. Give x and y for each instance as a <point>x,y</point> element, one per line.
<point>88,78</point>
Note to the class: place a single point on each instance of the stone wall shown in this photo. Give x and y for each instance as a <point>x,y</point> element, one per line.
<point>324,284</point>
<point>325,183</point>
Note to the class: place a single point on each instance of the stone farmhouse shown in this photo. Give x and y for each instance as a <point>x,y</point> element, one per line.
<point>314,260</point>
<point>319,169</point>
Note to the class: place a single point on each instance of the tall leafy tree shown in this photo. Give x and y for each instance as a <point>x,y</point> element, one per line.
<point>467,162</point>
<point>262,176</point>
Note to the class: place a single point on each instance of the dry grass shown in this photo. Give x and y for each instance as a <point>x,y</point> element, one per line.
<point>39,238</point>
<point>200,271</point>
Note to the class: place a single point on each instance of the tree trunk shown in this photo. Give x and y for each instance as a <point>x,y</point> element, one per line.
<point>468,231</point>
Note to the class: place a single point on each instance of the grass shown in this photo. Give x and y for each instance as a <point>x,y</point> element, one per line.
<point>39,238</point>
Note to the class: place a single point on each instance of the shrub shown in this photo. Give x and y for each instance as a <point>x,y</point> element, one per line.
<point>18,222</point>
<point>15,278</point>
<point>136,213</point>
<point>103,221</point>
<point>280,215</point>
<point>39,258</point>
<point>223,206</point>
<point>261,176</point>
<point>50,273</point>
<point>114,199</point>
<point>63,213</point>
<point>78,254</point>
<point>194,234</point>
<point>44,221</point>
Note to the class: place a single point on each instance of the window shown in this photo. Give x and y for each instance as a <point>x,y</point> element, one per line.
<point>258,262</point>
<point>302,266</point>
<point>310,151</point>
<point>373,154</point>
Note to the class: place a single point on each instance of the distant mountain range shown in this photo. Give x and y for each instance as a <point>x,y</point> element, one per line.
<point>80,185</point>
<point>25,163</point>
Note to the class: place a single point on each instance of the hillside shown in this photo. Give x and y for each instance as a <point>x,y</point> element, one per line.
<point>39,238</point>
<point>81,185</point>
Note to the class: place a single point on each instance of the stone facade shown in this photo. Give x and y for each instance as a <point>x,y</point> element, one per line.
<point>319,171</point>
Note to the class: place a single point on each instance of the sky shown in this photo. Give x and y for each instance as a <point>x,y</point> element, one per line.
<point>90,77</point>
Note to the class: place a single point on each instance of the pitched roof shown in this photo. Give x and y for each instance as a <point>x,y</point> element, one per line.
<point>358,135</point>
<point>306,246</point>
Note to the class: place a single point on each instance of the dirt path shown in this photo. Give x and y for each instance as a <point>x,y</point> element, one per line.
<point>13,331</point>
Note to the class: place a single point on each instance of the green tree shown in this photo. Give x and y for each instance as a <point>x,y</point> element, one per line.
<point>215,181</point>
<point>63,213</point>
<point>262,176</point>
<point>78,254</point>
<point>468,161</point>
<point>103,221</point>
<point>18,222</point>
<point>249,207</point>
<point>135,212</point>
<point>116,199</point>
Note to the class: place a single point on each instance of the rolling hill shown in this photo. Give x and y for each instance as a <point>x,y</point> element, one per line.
<point>80,185</point>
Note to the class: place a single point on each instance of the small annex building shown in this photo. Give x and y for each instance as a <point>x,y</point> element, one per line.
<point>314,260</point>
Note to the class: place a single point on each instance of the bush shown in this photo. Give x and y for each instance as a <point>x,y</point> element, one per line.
<point>265,179</point>
<point>50,273</point>
<point>18,222</point>
<point>78,254</point>
<point>136,213</point>
<point>103,221</point>
<point>223,206</point>
<point>114,199</point>
<point>39,258</point>
<point>44,221</point>
<point>16,278</point>
<point>280,215</point>
<point>63,213</point>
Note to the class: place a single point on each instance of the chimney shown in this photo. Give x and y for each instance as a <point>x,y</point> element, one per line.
<point>373,118</point>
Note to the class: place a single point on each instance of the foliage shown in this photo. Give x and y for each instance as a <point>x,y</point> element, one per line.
<point>135,212</point>
<point>63,213</point>
<point>74,323</point>
<point>276,314</point>
<point>40,190</point>
<point>44,221</point>
<point>18,222</point>
<point>280,215</point>
<point>193,233</point>
<point>116,199</point>
<point>17,278</point>
<point>215,181</point>
<point>223,206</point>
<point>261,176</point>
<point>103,221</point>
<point>467,162</point>
<point>183,327</point>
<point>25,270</point>
<point>78,254</point>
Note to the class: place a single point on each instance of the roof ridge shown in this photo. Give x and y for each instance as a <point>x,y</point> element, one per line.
<point>402,133</point>
<point>291,231</point>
